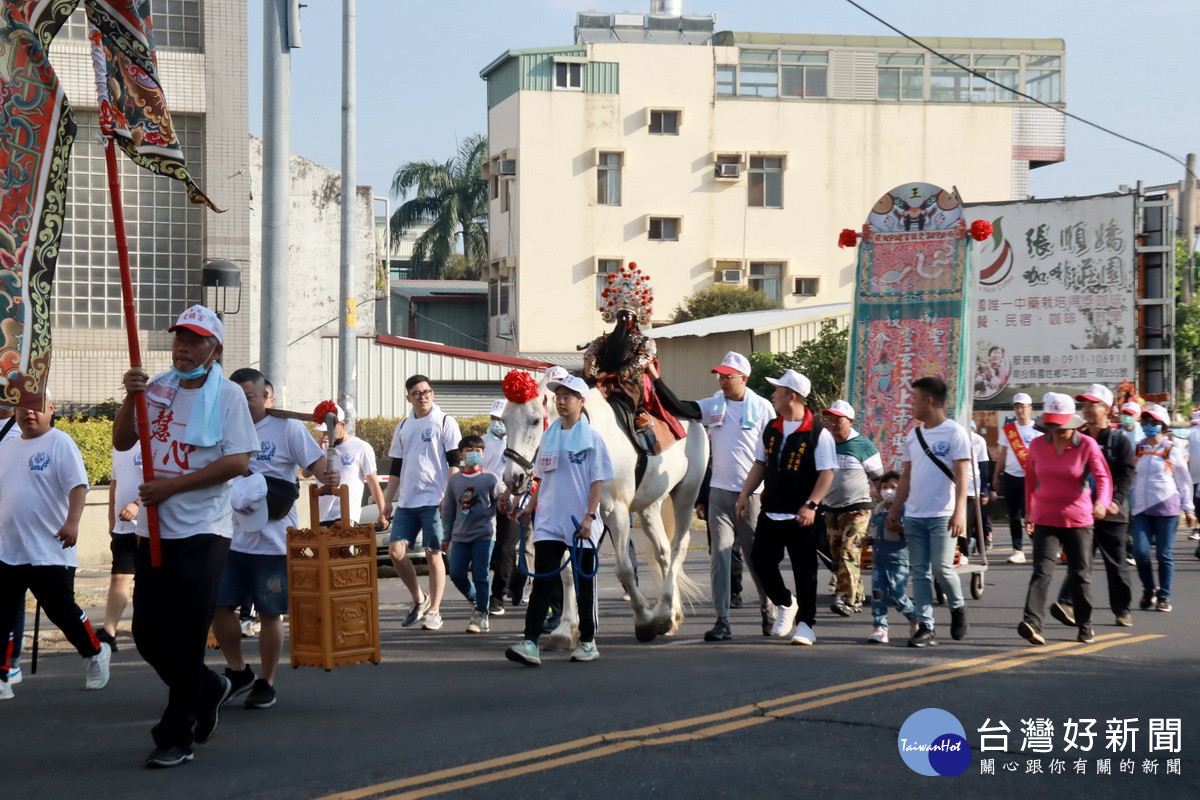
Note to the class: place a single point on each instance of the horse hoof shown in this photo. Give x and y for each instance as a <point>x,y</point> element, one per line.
<point>663,626</point>
<point>559,641</point>
<point>645,633</point>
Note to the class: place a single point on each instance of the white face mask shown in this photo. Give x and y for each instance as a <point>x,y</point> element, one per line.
<point>888,494</point>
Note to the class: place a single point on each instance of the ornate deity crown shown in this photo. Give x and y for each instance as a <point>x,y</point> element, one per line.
<point>628,290</point>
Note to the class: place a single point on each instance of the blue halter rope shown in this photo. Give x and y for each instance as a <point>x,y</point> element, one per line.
<point>577,549</point>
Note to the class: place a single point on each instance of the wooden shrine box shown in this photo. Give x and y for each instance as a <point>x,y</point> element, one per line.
<point>333,590</point>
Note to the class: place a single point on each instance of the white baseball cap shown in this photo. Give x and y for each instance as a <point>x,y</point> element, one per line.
<point>341,417</point>
<point>1195,415</point>
<point>840,408</point>
<point>1097,393</point>
<point>1059,410</point>
<point>249,502</point>
<point>1021,397</point>
<point>498,407</point>
<point>1131,408</point>
<point>575,384</point>
<point>554,374</point>
<point>1157,412</point>
<point>793,380</point>
<point>202,321</point>
<point>732,364</point>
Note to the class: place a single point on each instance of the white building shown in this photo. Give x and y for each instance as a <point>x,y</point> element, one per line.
<point>732,157</point>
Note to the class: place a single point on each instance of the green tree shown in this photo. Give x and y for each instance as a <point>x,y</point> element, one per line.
<point>717,300</point>
<point>1187,332</point>
<point>452,198</point>
<point>822,360</point>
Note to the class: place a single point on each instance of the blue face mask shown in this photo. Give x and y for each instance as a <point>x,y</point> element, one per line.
<point>1151,429</point>
<point>198,372</point>
<point>474,458</point>
<point>497,428</point>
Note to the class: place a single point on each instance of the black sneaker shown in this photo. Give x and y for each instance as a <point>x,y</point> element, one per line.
<point>1030,633</point>
<point>104,636</point>
<point>1085,634</point>
<point>719,633</point>
<point>839,607</point>
<point>735,601</point>
<point>496,607</point>
<point>924,637</point>
<point>240,680</point>
<point>417,612</point>
<point>262,695</point>
<point>162,757</point>
<point>1064,613</point>
<point>1147,600</point>
<point>958,623</point>
<point>1164,604</point>
<point>208,716</point>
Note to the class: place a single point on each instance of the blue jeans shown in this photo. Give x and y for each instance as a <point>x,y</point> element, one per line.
<point>408,522</point>
<point>931,549</point>
<point>889,581</point>
<point>1162,531</point>
<point>475,556</point>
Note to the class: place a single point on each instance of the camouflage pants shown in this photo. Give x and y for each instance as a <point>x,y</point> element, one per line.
<point>846,531</point>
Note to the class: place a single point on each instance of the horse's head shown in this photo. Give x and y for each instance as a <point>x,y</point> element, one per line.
<point>525,423</point>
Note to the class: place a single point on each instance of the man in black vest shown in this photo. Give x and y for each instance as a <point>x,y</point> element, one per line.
<point>796,459</point>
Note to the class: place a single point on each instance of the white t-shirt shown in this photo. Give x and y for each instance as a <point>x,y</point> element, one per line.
<point>284,447</point>
<point>13,432</point>
<point>36,479</point>
<point>494,460</point>
<point>127,475</point>
<point>1027,433</point>
<point>825,456</point>
<point>931,493</point>
<point>200,510</point>
<point>1194,453</point>
<point>564,490</point>
<point>979,455</point>
<point>355,462</point>
<point>732,445</point>
<point>423,443</point>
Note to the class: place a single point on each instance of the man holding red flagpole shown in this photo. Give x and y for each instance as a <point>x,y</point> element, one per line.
<point>201,439</point>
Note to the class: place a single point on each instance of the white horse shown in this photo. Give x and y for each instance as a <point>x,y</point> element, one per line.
<point>677,473</point>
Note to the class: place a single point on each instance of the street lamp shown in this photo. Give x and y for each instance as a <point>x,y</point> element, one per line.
<point>217,279</point>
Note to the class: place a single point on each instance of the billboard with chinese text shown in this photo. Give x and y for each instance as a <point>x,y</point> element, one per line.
<point>1054,305</point>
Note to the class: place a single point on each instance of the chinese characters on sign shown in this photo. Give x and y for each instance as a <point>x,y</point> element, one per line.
<point>1110,749</point>
<point>1054,307</point>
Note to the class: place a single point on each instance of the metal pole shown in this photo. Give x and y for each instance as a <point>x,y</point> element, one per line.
<point>277,111</point>
<point>1187,228</point>
<point>347,327</point>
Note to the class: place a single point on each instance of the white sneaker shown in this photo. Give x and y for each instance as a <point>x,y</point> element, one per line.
<point>1194,536</point>
<point>585,651</point>
<point>6,692</point>
<point>1017,557</point>
<point>473,625</point>
<point>15,675</point>
<point>804,634</point>
<point>784,617</point>
<point>96,668</point>
<point>878,636</point>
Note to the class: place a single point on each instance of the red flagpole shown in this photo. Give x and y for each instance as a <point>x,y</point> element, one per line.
<point>131,331</point>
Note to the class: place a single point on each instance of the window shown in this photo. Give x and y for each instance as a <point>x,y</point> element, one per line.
<point>948,83</point>
<point>804,74</point>
<point>726,80</point>
<point>1043,78</point>
<point>164,228</point>
<point>506,190</point>
<point>498,296</point>
<point>664,122</point>
<point>494,183</point>
<point>758,73</point>
<point>901,76</point>
<point>767,277</point>
<point>608,180</point>
<point>805,287</point>
<point>177,25</point>
<point>664,229</point>
<point>1002,69</point>
<point>568,75</point>
<point>604,268</point>
<point>766,182</point>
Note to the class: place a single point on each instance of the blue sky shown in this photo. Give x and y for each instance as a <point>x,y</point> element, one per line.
<point>419,88</point>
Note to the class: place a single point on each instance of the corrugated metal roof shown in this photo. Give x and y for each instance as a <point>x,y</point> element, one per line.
<point>430,288</point>
<point>943,43</point>
<point>756,321</point>
<point>565,360</point>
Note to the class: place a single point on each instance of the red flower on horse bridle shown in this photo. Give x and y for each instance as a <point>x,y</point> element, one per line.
<point>323,408</point>
<point>519,387</point>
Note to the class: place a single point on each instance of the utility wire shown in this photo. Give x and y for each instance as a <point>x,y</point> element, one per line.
<point>1031,98</point>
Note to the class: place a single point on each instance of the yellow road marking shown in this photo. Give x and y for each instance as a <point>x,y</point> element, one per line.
<point>734,719</point>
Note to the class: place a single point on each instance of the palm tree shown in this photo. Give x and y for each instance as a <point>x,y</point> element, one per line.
<point>453,199</point>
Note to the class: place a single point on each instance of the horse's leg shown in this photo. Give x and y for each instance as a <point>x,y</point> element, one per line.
<point>676,584</point>
<point>662,547</point>
<point>618,528</point>
<point>564,636</point>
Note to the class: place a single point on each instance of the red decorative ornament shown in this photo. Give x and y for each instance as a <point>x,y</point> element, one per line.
<point>323,408</point>
<point>981,229</point>
<point>848,238</point>
<point>519,387</point>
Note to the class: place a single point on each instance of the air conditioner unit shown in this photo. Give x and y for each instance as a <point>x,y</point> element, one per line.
<point>507,166</point>
<point>729,276</point>
<point>504,327</point>
<point>729,171</point>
